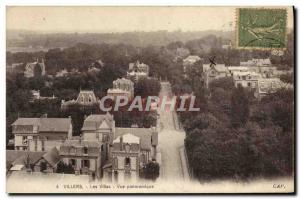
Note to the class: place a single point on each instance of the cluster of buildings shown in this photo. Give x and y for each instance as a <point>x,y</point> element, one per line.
<point>31,69</point>
<point>102,151</point>
<point>256,74</point>
<point>190,61</point>
<point>121,87</point>
<point>137,71</point>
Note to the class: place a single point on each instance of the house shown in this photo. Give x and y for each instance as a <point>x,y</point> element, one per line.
<point>62,73</point>
<point>227,46</point>
<point>215,72</point>
<point>100,128</point>
<point>246,79</point>
<point>189,61</point>
<point>132,149</point>
<point>257,62</point>
<point>137,71</point>
<point>180,53</point>
<point>17,160</point>
<point>40,134</point>
<point>122,87</point>
<point>85,98</point>
<point>84,156</point>
<point>37,96</point>
<point>15,68</point>
<point>34,161</point>
<point>265,71</point>
<point>48,163</point>
<point>232,69</point>
<point>269,85</point>
<point>31,69</point>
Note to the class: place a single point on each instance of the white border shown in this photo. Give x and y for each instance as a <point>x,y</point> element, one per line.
<point>4,3</point>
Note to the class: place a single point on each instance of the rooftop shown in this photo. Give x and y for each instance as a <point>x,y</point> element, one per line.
<point>93,122</point>
<point>45,124</point>
<point>148,136</point>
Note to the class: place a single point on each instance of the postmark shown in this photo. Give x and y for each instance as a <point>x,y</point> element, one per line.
<point>261,28</point>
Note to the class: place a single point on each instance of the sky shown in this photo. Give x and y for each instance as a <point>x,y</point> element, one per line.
<point>122,19</point>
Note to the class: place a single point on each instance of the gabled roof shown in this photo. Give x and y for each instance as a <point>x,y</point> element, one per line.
<point>220,68</point>
<point>123,81</point>
<point>46,124</point>
<point>15,157</point>
<point>93,122</point>
<point>128,138</point>
<point>55,124</point>
<point>88,97</point>
<point>76,147</point>
<point>27,121</point>
<point>192,58</point>
<point>145,135</point>
<point>52,156</point>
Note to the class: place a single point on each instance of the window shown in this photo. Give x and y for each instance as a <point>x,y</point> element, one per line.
<point>73,162</point>
<point>115,163</point>
<point>143,158</point>
<point>104,138</point>
<point>86,163</point>
<point>35,143</point>
<point>24,140</point>
<point>127,161</point>
<point>127,147</point>
<point>85,150</point>
<point>248,84</point>
<point>43,145</point>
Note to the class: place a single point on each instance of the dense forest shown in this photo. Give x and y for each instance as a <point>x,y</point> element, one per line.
<point>235,136</point>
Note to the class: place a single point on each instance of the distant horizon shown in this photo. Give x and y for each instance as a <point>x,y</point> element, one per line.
<point>112,32</point>
<point>85,19</point>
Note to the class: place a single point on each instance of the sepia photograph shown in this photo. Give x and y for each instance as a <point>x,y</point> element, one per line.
<point>150,99</point>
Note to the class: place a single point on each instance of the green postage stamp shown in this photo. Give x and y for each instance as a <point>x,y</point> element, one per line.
<point>261,28</point>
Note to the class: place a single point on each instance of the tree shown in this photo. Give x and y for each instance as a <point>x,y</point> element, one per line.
<point>239,107</point>
<point>37,70</point>
<point>287,78</point>
<point>65,168</point>
<point>151,171</point>
<point>225,83</point>
<point>147,87</point>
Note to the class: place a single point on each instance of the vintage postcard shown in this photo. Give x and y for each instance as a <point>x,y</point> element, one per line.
<point>150,99</point>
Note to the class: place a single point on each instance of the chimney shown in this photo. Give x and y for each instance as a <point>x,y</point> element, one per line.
<point>121,143</point>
